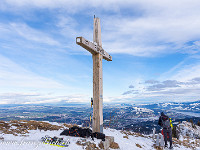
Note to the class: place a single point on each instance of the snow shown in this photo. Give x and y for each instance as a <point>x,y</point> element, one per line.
<point>141,109</point>
<point>53,123</point>
<point>178,108</point>
<point>32,141</point>
<point>130,143</point>
<point>181,138</point>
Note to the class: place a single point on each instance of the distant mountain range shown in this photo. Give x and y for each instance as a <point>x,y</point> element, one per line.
<point>180,107</point>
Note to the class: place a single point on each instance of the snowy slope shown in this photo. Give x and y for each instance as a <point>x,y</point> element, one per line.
<point>130,142</point>
<point>12,142</point>
<point>30,141</point>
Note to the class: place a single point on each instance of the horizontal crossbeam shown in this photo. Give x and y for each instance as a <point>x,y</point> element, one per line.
<point>93,48</point>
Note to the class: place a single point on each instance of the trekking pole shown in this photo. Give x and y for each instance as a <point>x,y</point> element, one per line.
<point>90,120</point>
<point>90,113</point>
<point>91,102</point>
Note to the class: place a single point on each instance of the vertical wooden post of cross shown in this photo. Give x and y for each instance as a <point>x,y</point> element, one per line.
<point>98,54</point>
<point>97,124</point>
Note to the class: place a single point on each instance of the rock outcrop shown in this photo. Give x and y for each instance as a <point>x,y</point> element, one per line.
<point>187,129</point>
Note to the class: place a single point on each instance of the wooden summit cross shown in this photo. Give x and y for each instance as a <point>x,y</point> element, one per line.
<point>98,53</point>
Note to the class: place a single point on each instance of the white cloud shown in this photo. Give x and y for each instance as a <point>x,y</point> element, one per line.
<point>68,4</point>
<point>151,27</point>
<point>185,70</point>
<point>151,36</point>
<point>14,76</point>
<point>131,86</point>
<point>23,31</point>
<point>188,72</point>
<point>20,86</point>
<point>40,98</point>
<point>167,90</point>
<point>33,35</point>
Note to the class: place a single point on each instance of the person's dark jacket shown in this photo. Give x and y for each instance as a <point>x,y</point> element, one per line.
<point>161,117</point>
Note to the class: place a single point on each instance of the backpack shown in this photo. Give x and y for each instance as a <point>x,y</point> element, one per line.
<point>99,135</point>
<point>65,132</point>
<point>77,131</point>
<point>73,131</point>
<point>165,122</point>
<point>85,132</point>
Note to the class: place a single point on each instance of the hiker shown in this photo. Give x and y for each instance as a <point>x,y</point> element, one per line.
<point>165,123</point>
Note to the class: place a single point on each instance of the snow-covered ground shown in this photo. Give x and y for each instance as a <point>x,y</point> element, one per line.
<point>31,141</point>
<point>131,142</point>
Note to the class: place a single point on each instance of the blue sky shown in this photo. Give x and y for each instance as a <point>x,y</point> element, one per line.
<point>155,46</point>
